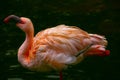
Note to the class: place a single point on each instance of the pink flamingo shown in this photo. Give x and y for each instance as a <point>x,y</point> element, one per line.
<point>56,48</point>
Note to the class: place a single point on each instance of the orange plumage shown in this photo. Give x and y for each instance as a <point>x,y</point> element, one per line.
<point>55,43</point>
<point>56,48</point>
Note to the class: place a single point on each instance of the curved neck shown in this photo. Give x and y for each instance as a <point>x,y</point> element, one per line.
<point>23,52</point>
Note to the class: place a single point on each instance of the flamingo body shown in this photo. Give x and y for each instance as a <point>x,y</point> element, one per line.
<point>56,48</point>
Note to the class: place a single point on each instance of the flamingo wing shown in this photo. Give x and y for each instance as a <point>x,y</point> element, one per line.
<point>59,46</point>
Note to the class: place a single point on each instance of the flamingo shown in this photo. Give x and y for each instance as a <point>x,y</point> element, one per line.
<point>56,48</point>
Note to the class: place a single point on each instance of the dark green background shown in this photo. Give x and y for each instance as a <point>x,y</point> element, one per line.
<point>95,16</point>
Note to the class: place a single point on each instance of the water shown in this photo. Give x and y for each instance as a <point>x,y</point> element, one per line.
<point>96,16</point>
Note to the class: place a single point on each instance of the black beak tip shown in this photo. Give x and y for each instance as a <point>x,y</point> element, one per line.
<point>13,17</point>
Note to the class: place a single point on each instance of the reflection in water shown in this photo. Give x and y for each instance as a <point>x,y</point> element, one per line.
<point>16,72</point>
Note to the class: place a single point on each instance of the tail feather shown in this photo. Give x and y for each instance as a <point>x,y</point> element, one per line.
<point>98,39</point>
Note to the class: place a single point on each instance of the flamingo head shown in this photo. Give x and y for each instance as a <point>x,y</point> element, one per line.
<point>98,46</point>
<point>22,22</point>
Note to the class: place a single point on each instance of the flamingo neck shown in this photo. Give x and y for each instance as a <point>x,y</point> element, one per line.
<point>23,52</point>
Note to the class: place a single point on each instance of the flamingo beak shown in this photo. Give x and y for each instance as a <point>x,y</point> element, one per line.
<point>13,17</point>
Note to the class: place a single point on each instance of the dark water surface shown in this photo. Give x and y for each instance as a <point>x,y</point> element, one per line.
<point>95,16</point>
